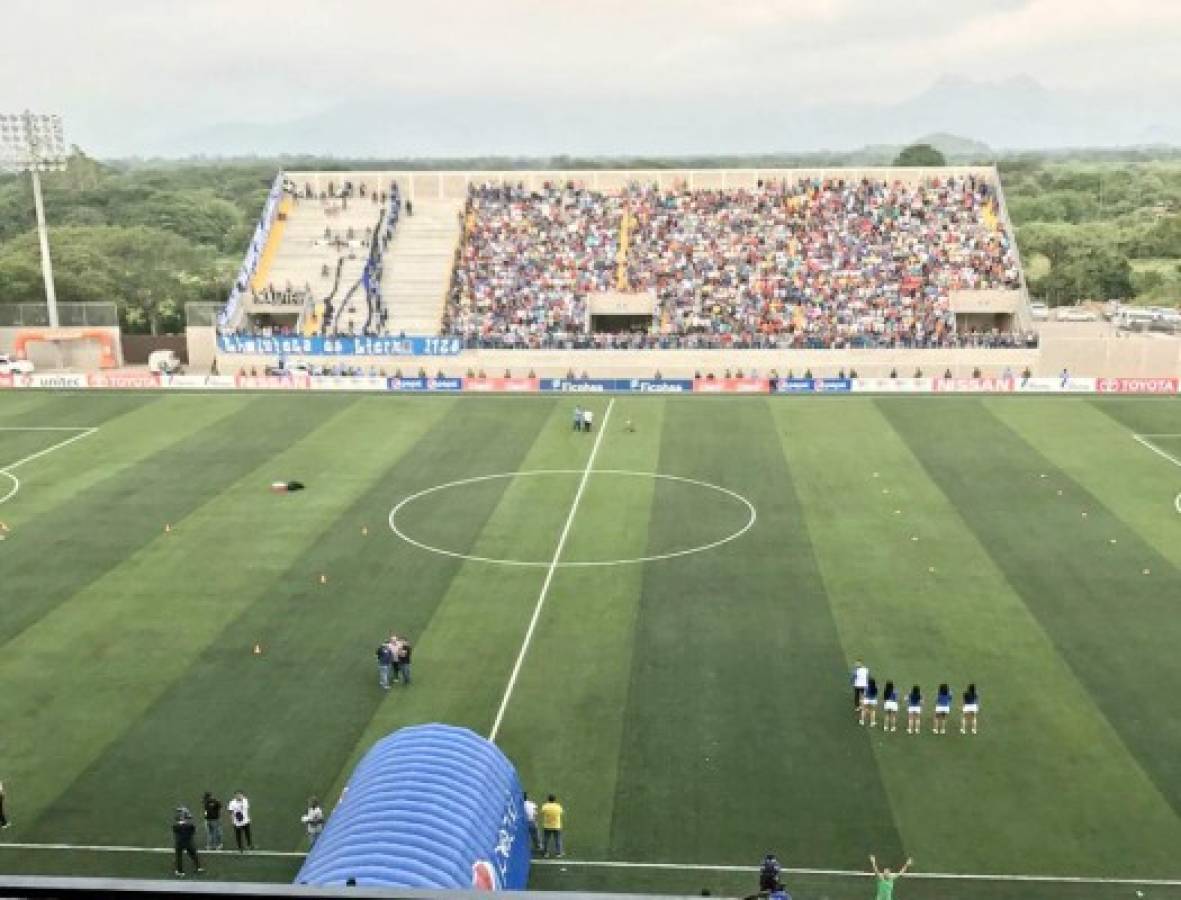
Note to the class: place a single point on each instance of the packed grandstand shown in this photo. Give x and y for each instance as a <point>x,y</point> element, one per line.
<point>779,260</point>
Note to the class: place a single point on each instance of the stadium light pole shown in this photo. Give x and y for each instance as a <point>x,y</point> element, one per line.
<point>34,143</point>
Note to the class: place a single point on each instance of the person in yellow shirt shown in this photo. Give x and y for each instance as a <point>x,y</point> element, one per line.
<point>551,825</point>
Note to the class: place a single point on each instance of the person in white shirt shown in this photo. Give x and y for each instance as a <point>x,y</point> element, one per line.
<point>531,820</point>
<point>588,419</point>
<point>239,809</point>
<point>314,820</point>
<point>860,683</point>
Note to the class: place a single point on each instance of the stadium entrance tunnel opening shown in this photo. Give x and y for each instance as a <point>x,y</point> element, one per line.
<point>623,518</point>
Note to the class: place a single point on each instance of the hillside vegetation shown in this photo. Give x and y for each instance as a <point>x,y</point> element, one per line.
<point>154,236</point>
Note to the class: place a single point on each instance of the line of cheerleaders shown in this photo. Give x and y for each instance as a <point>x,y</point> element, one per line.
<point>866,697</point>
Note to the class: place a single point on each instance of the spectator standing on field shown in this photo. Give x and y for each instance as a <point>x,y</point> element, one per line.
<point>385,663</point>
<point>403,660</point>
<point>551,824</point>
<point>211,808</point>
<point>184,834</point>
<point>395,645</point>
<point>578,418</point>
<point>588,419</point>
<point>860,683</point>
<point>769,871</point>
<point>239,809</point>
<point>313,819</point>
<point>531,821</point>
<point>885,878</point>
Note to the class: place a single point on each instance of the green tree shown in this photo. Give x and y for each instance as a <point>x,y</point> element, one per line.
<point>920,155</point>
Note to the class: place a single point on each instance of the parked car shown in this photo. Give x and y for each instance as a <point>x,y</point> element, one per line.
<point>1076,314</point>
<point>12,366</point>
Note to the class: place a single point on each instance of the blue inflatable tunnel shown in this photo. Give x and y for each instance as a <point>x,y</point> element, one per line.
<point>431,806</point>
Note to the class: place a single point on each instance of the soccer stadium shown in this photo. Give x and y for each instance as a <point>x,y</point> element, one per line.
<point>587,529</point>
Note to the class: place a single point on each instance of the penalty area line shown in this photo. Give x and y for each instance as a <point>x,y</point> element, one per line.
<point>549,574</point>
<point>1140,439</point>
<point>5,470</point>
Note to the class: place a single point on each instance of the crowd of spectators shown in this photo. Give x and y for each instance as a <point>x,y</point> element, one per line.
<point>808,263</point>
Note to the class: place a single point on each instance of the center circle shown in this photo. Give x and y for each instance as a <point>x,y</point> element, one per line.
<point>752,516</point>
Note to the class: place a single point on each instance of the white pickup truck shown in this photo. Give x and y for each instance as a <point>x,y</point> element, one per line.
<point>11,366</point>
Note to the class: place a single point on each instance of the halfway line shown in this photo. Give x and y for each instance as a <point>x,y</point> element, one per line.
<point>549,575</point>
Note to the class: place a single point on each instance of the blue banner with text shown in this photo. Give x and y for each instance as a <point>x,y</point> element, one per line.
<point>338,346</point>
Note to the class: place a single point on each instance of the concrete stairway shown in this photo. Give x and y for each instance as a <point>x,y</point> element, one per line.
<point>304,251</point>
<point>417,270</point>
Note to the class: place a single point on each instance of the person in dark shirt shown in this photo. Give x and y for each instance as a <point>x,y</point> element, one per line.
<point>942,710</point>
<point>212,809</point>
<point>769,871</point>
<point>869,704</point>
<point>4,823</point>
<point>914,710</point>
<point>970,710</point>
<point>890,708</point>
<point>404,651</point>
<point>184,840</point>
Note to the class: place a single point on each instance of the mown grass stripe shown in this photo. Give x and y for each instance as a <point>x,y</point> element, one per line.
<point>963,622</point>
<point>465,651</point>
<point>737,705</point>
<point>1114,626</point>
<point>99,500</point>
<point>147,619</point>
<point>587,630</point>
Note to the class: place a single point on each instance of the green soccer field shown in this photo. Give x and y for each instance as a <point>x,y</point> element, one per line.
<point>692,709</point>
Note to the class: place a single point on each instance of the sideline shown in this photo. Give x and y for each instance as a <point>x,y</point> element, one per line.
<point>621,864</point>
<point>549,575</point>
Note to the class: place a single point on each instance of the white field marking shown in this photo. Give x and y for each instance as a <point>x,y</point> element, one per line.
<point>752,518</point>
<point>549,575</point>
<point>1142,439</point>
<point>5,469</point>
<point>16,486</point>
<point>853,873</point>
<point>619,864</point>
<point>109,848</point>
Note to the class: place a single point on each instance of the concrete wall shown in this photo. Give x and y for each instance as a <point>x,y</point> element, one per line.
<point>454,185</point>
<point>1101,355</point>
<point>202,346</point>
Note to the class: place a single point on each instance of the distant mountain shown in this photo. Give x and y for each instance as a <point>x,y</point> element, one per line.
<point>964,118</point>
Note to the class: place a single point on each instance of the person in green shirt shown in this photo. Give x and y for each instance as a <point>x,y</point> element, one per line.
<point>885,878</point>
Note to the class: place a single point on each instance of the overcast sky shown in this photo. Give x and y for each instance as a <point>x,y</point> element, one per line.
<point>148,75</point>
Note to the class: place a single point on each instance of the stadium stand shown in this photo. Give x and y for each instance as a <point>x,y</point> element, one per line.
<point>906,259</point>
<point>805,263</point>
<point>319,271</point>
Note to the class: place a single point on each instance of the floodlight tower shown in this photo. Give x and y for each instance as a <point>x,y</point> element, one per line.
<point>33,143</point>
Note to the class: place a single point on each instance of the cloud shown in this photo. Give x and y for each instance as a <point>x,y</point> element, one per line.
<point>142,68</point>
